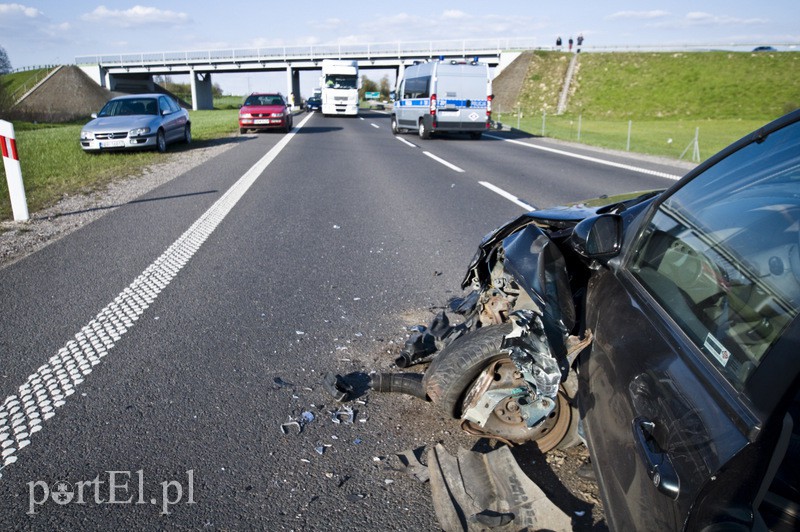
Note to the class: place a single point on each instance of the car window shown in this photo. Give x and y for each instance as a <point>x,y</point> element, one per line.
<point>163,102</point>
<point>722,254</point>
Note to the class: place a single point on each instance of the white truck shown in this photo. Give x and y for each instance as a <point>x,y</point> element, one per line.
<point>339,84</point>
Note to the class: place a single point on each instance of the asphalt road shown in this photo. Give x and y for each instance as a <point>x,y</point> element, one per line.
<point>148,360</point>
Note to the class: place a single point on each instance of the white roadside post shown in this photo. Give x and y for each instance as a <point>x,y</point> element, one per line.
<point>16,188</point>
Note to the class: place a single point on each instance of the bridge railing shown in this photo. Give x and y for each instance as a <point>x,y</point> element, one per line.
<point>312,51</point>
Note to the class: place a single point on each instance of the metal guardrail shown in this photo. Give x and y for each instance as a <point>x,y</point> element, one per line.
<point>464,47</point>
<point>282,53</point>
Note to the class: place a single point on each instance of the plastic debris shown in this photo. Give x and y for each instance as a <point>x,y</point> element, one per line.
<point>285,427</point>
<point>343,415</point>
<point>337,387</point>
<point>412,466</point>
<point>308,417</point>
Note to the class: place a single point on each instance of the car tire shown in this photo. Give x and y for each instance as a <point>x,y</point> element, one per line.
<point>395,130</point>
<point>187,134</point>
<point>476,135</point>
<point>161,141</point>
<point>242,131</point>
<point>453,371</point>
<point>424,132</point>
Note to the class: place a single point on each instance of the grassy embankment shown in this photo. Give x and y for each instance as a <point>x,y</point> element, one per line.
<point>665,96</point>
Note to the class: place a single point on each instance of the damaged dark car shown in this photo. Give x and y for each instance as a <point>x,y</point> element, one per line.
<point>659,328</point>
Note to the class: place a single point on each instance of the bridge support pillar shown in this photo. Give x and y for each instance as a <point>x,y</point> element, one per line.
<point>202,95</point>
<point>293,87</point>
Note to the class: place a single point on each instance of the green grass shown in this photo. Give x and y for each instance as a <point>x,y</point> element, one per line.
<point>17,83</point>
<point>53,164</point>
<point>665,95</point>
<point>708,85</point>
<point>668,138</point>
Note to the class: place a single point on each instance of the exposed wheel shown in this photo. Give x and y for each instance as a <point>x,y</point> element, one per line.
<point>161,141</point>
<point>453,373</point>
<point>424,132</point>
<point>187,134</point>
<point>395,131</point>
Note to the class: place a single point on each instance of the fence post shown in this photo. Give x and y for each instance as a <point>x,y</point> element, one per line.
<point>579,127</point>
<point>544,114</point>
<point>519,116</point>
<point>16,188</point>
<point>628,146</point>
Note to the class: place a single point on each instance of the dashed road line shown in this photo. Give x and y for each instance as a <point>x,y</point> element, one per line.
<point>23,414</point>
<point>623,166</point>
<point>404,141</point>
<point>507,195</point>
<point>376,126</point>
<point>442,161</point>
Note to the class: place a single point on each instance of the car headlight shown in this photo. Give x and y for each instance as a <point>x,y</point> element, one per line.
<point>277,115</point>
<point>87,135</point>
<point>245,115</point>
<point>139,132</point>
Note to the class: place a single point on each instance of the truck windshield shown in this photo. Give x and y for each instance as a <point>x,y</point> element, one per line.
<point>339,81</point>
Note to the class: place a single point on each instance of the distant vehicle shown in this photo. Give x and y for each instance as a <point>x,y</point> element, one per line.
<point>314,104</point>
<point>764,49</point>
<point>339,84</point>
<point>138,121</point>
<point>665,321</point>
<point>444,96</point>
<point>262,111</point>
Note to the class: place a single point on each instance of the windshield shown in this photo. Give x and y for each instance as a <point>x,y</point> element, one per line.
<point>130,106</point>
<point>722,254</point>
<point>264,99</point>
<point>341,81</point>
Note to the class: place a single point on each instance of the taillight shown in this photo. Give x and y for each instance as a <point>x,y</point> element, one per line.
<point>433,104</point>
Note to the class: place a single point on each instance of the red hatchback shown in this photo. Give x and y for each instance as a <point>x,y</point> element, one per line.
<point>265,111</point>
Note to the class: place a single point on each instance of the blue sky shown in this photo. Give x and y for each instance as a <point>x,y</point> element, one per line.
<point>56,31</point>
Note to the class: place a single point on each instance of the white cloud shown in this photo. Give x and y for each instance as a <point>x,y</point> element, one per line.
<point>638,15</point>
<point>14,10</point>
<point>454,14</point>
<point>136,16</point>
<point>701,18</point>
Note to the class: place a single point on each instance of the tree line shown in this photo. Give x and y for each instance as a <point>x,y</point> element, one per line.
<point>368,85</point>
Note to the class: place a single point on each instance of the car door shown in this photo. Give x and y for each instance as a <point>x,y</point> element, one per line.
<point>173,127</point>
<point>684,393</point>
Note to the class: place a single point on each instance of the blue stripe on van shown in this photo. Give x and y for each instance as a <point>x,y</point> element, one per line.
<point>460,104</point>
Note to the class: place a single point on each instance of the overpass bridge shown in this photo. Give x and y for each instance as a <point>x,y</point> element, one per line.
<point>134,71</point>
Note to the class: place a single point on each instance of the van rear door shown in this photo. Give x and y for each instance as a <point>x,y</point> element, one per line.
<point>462,94</point>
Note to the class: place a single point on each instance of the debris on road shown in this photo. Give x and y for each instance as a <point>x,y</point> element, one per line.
<point>474,490</point>
<point>337,387</point>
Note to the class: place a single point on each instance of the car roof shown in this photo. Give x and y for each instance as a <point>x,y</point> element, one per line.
<point>134,96</point>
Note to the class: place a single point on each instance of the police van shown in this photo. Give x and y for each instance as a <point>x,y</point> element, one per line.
<point>443,96</point>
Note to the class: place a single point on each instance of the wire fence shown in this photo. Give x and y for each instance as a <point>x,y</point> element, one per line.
<point>689,140</point>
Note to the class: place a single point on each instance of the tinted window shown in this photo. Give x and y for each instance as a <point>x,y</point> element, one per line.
<point>417,87</point>
<point>722,254</point>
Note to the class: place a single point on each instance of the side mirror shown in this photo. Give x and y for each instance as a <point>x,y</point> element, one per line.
<point>94,115</point>
<point>599,237</point>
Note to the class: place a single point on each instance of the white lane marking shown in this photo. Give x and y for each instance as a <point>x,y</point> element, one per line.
<point>22,415</point>
<point>404,141</point>
<point>361,118</point>
<point>508,195</point>
<point>376,126</point>
<point>592,159</point>
<point>442,161</point>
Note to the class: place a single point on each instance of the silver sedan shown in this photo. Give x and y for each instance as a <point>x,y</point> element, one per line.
<point>137,121</point>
